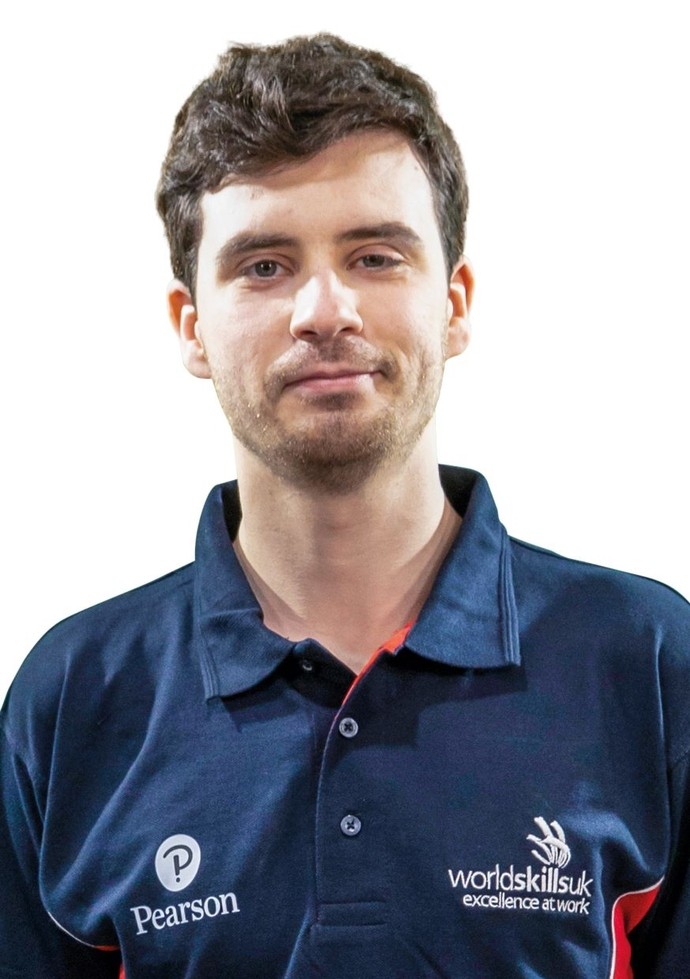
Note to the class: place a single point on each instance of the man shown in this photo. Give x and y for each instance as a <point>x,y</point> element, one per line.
<point>366,734</point>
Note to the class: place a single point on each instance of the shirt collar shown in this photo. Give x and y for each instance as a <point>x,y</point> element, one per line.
<point>468,621</point>
<point>470,618</point>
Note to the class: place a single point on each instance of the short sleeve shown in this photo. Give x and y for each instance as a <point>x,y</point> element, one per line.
<point>31,944</point>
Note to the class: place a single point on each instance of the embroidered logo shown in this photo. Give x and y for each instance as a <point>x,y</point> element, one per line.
<point>541,888</point>
<point>177,862</point>
<point>553,850</point>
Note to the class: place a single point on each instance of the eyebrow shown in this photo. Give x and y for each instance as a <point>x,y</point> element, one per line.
<point>245,243</point>
<point>388,231</point>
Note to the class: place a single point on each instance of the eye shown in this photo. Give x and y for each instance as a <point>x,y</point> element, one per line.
<point>377,260</point>
<point>266,268</point>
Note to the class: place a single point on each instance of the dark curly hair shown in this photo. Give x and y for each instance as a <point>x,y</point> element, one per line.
<point>264,107</point>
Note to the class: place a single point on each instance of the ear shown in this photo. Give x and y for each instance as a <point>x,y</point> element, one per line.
<point>185,322</point>
<point>460,291</point>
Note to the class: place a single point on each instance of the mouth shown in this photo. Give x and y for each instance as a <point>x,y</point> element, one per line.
<point>342,368</point>
<point>329,378</point>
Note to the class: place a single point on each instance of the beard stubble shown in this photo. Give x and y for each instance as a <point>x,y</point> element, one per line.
<point>334,447</point>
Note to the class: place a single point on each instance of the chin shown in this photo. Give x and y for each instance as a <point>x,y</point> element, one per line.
<point>336,458</point>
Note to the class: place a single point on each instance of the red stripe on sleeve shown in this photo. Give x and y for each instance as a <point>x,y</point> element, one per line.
<point>628,911</point>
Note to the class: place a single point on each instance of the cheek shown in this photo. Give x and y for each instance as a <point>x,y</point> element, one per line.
<point>238,364</point>
<point>421,337</point>
<point>245,331</point>
<point>235,349</point>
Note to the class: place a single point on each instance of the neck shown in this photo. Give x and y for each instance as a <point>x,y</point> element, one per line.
<point>346,570</point>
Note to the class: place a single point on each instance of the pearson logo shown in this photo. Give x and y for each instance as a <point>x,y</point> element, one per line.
<point>542,888</point>
<point>177,863</point>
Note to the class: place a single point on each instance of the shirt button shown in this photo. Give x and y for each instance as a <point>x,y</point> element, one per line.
<point>306,665</point>
<point>350,825</point>
<point>348,727</point>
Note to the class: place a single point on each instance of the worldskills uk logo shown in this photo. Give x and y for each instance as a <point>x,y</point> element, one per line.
<point>528,888</point>
<point>553,850</point>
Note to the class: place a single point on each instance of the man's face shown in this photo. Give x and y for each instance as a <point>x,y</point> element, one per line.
<point>324,313</point>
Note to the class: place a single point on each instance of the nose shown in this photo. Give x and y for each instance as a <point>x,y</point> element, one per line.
<point>324,307</point>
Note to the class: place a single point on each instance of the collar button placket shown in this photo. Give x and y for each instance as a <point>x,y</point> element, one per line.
<point>351,861</point>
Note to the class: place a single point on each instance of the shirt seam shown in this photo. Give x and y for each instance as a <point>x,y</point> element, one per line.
<point>681,758</point>
<point>590,564</point>
<point>70,934</point>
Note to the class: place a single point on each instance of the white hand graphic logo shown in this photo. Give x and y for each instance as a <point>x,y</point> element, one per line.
<point>555,852</point>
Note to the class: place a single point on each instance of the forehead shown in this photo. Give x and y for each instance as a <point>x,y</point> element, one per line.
<point>365,179</point>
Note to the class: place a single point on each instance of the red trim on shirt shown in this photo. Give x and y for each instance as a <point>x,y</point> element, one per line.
<point>396,640</point>
<point>628,911</point>
<point>389,646</point>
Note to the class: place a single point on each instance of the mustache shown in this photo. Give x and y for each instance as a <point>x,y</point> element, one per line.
<point>352,353</point>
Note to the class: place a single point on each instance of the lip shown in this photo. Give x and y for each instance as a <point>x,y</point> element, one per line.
<point>330,377</point>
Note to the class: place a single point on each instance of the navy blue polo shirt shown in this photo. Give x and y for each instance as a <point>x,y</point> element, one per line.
<point>504,792</point>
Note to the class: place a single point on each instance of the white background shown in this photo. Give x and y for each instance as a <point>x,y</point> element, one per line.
<point>573,120</point>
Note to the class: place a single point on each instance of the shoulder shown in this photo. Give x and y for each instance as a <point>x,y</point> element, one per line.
<point>595,590</point>
<point>630,629</point>
<point>119,641</point>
